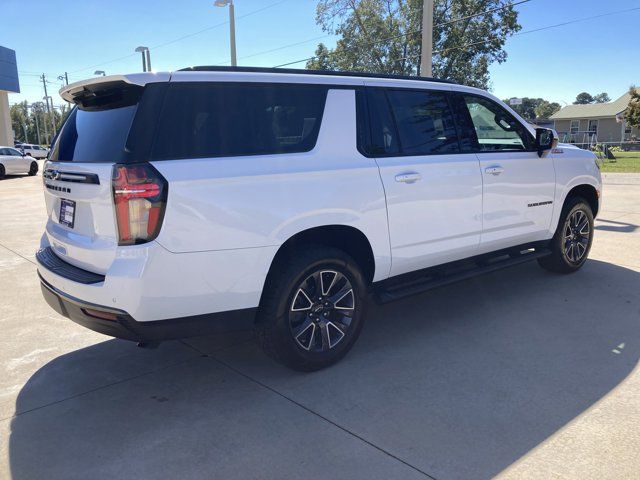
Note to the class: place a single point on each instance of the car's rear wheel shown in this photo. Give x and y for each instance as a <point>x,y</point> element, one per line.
<point>312,309</point>
<point>571,243</point>
<point>33,169</point>
<point>2,172</point>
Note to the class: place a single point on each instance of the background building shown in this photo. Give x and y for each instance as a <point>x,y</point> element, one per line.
<point>8,83</point>
<point>594,123</point>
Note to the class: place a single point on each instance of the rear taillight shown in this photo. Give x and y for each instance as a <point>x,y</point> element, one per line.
<point>140,197</point>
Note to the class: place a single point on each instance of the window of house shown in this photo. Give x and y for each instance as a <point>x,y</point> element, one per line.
<point>593,126</point>
<point>575,126</point>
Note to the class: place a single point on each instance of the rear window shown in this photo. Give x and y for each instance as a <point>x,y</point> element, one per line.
<point>93,136</point>
<point>96,130</point>
<point>220,120</point>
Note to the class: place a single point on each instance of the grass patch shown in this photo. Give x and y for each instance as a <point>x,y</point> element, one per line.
<point>626,162</point>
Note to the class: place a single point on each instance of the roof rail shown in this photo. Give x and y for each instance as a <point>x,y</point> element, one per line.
<point>223,68</point>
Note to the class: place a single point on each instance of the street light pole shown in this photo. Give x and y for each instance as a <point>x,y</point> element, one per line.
<point>232,34</point>
<point>427,39</point>
<point>142,51</point>
<point>232,27</point>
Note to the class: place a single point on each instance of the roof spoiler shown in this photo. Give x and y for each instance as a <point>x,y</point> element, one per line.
<point>75,91</point>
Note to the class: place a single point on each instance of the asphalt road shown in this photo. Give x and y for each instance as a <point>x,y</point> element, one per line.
<point>517,374</point>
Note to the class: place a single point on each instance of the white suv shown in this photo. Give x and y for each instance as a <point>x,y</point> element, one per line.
<point>214,198</point>
<point>35,151</point>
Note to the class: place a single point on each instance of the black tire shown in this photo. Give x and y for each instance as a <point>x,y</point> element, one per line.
<point>570,246</point>
<point>2,172</point>
<point>33,169</point>
<point>283,312</point>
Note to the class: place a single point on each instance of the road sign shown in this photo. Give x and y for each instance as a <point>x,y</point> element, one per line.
<point>515,101</point>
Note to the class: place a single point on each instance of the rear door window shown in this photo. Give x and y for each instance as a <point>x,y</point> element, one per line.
<point>424,122</point>
<point>230,119</point>
<point>384,135</point>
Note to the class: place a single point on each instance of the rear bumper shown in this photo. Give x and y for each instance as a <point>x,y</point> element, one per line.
<point>125,327</point>
<point>152,284</point>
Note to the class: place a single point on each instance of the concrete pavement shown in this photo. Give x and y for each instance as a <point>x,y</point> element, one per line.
<point>517,374</point>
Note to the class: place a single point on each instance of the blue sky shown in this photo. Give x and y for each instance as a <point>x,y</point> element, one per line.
<point>557,63</point>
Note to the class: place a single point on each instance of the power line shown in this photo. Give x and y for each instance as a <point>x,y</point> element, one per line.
<point>480,14</point>
<point>189,35</point>
<point>278,48</point>
<point>547,27</point>
<point>577,20</point>
<point>415,32</point>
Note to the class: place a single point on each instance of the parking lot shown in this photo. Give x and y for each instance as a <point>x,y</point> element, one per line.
<point>517,374</point>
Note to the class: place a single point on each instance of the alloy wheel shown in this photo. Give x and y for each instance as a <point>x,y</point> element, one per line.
<point>577,232</point>
<point>321,311</point>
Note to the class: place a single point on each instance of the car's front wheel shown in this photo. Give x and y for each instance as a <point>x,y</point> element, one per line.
<point>312,309</point>
<point>571,243</point>
<point>2,172</point>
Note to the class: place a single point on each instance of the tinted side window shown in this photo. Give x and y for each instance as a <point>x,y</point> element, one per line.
<point>218,120</point>
<point>425,122</point>
<point>384,136</point>
<point>495,128</point>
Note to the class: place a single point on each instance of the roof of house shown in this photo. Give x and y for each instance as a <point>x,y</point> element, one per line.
<point>610,109</point>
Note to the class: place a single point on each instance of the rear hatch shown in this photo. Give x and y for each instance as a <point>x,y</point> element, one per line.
<point>82,225</point>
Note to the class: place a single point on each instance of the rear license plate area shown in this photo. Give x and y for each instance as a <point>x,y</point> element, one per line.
<point>67,212</point>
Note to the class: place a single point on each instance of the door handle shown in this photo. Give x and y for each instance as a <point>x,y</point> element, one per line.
<point>409,177</point>
<point>494,170</point>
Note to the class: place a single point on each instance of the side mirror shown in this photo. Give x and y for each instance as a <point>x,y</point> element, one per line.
<point>546,139</point>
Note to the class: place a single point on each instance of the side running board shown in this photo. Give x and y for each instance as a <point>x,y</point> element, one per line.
<point>419,282</point>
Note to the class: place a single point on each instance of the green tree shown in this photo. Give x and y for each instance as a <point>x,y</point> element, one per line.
<point>19,114</point>
<point>535,108</point>
<point>583,98</point>
<point>384,36</point>
<point>545,109</point>
<point>34,124</point>
<point>601,98</point>
<point>632,113</point>
<point>527,108</point>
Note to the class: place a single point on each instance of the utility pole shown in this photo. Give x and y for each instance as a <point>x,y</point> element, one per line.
<point>65,78</point>
<point>44,84</point>
<point>427,39</point>
<point>34,110</point>
<point>46,96</point>
<point>148,61</point>
<point>53,117</point>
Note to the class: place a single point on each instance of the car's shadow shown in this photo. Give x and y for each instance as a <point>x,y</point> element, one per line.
<point>612,226</point>
<point>460,382</point>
